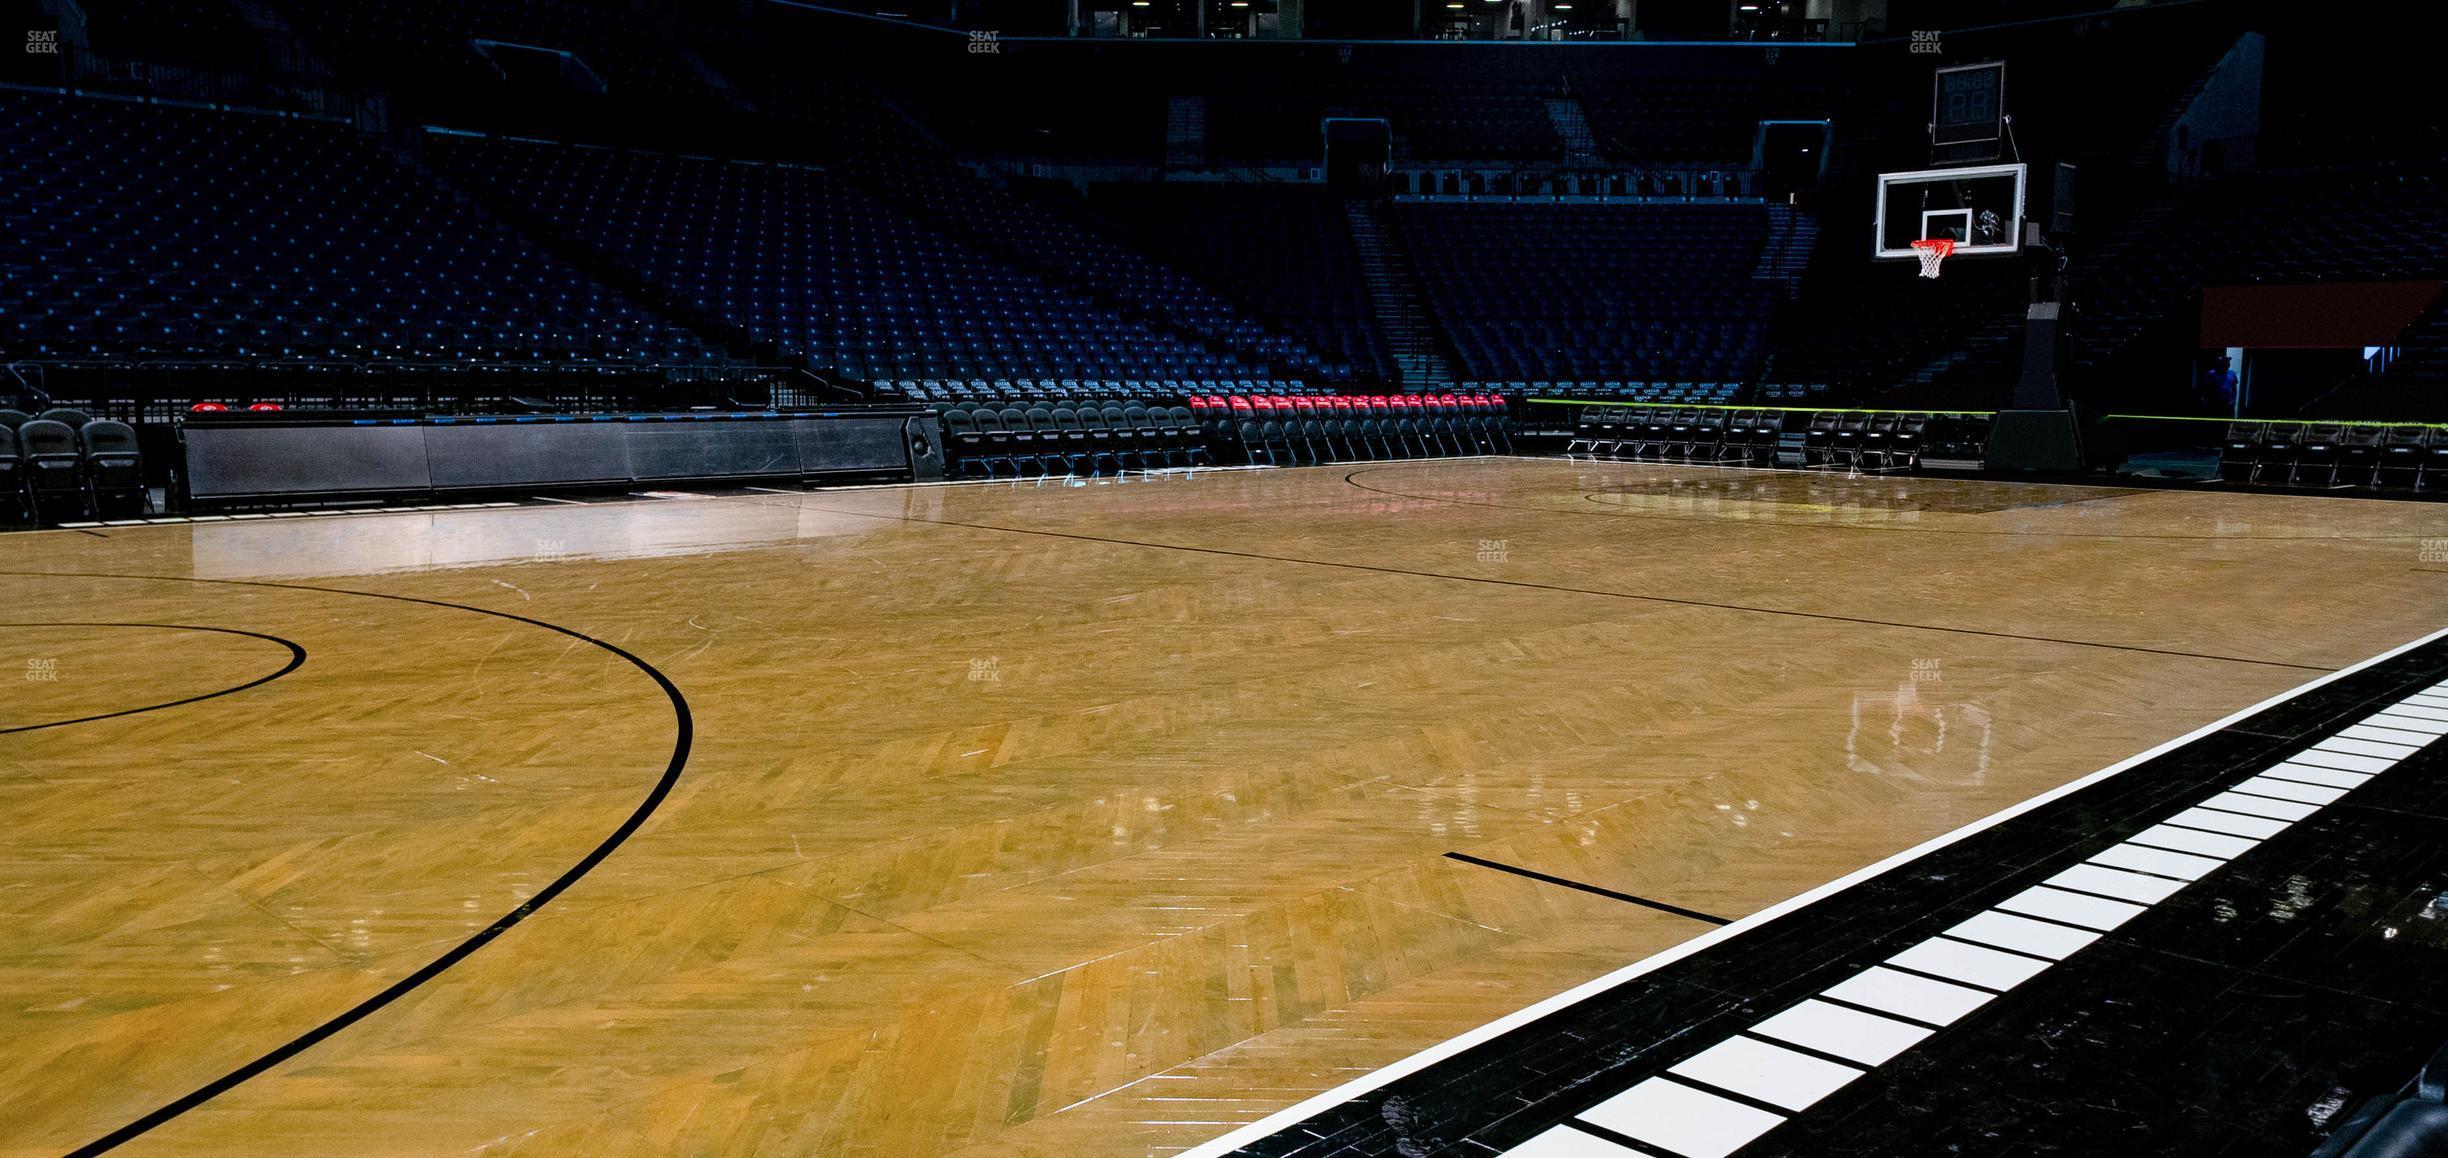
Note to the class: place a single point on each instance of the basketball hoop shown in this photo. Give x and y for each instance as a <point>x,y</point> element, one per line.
<point>1933,250</point>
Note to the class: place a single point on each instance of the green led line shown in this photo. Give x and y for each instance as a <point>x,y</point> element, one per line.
<point>2282,421</point>
<point>1782,409</point>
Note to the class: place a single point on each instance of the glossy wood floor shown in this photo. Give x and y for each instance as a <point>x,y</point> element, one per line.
<point>1032,819</point>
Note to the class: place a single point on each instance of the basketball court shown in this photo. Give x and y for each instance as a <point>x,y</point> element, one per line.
<point>1056,817</point>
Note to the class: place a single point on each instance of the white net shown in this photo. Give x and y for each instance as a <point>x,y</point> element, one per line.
<point>1933,250</point>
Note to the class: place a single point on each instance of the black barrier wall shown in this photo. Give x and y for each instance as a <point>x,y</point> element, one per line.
<point>304,457</point>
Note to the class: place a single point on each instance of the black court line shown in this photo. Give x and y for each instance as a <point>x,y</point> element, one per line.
<point>684,735</point>
<point>1525,584</point>
<point>1610,894</point>
<point>1353,480</point>
<point>1594,1129</point>
<point>297,659</point>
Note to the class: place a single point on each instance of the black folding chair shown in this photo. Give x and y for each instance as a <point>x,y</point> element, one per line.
<point>16,502</point>
<point>114,470</point>
<point>54,468</point>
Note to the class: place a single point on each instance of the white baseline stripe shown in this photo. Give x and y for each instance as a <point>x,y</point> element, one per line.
<point>2375,728</point>
<point>2067,908</point>
<point>2405,720</point>
<point>2377,751</point>
<point>2233,824</point>
<point>2342,761</point>
<point>2295,790</point>
<point>2307,774</point>
<point>1308,1107</point>
<point>2193,840</point>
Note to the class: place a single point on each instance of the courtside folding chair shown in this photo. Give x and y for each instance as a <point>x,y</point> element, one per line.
<point>2316,457</point>
<point>1878,437</point>
<point>1707,439</point>
<point>16,502</point>
<point>114,470</point>
<point>2274,456</point>
<point>54,465</point>
<point>1656,426</point>
<point>2401,458</point>
<point>1193,436</point>
<point>1037,440</point>
<point>1588,431</point>
<point>1819,440</point>
<point>961,438</point>
<point>2434,472</point>
<point>1904,443</point>
<point>2359,456</point>
<point>2239,454</point>
<point>1679,429</point>
<point>1851,431</point>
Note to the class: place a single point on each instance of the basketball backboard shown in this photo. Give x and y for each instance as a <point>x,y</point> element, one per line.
<point>1980,208</point>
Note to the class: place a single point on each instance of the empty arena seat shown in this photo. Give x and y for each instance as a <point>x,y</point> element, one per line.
<point>182,231</point>
<point>2434,473</point>
<point>1195,452</point>
<point>113,468</point>
<point>1877,437</point>
<point>1288,256</point>
<point>1594,431</point>
<point>2275,451</point>
<point>1819,445</point>
<point>1303,429</point>
<point>1852,434</point>
<point>886,271</point>
<point>12,419</point>
<point>54,468</point>
<point>1904,442</point>
<point>1578,292</point>
<point>1760,430</point>
<point>995,442</point>
<point>1708,430</point>
<point>2239,451</point>
<point>2400,458</point>
<point>963,444</point>
<point>1656,425</point>
<point>2316,456</point>
<point>15,503</point>
<point>2358,456</point>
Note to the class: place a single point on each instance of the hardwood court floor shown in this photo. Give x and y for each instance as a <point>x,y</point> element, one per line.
<point>1032,819</point>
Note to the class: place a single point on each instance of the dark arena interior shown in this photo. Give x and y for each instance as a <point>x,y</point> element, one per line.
<point>1114,578</point>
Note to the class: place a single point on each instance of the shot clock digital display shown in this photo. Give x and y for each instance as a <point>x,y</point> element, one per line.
<point>1967,105</point>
